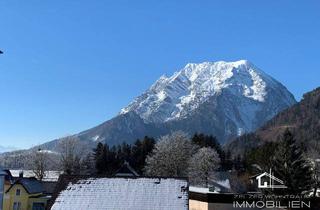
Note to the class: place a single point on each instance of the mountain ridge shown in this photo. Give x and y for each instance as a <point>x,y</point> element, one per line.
<point>193,84</point>
<point>251,96</point>
<point>224,99</point>
<point>302,119</point>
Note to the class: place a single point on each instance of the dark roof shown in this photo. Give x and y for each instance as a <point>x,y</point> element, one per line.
<point>8,176</point>
<point>49,187</point>
<point>31,185</point>
<point>126,170</point>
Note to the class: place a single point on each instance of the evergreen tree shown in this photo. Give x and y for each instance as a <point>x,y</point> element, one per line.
<point>261,158</point>
<point>139,152</point>
<point>125,154</point>
<point>112,162</point>
<point>226,160</point>
<point>203,140</point>
<point>239,164</point>
<point>100,157</point>
<point>291,166</point>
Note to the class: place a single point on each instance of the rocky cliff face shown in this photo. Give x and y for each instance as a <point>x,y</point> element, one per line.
<point>224,99</point>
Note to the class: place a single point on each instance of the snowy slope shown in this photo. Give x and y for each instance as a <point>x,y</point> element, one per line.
<point>176,97</point>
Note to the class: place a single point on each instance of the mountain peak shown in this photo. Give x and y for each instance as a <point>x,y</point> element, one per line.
<point>175,97</point>
<point>224,99</point>
<point>241,62</point>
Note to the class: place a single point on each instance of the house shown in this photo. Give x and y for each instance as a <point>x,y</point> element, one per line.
<point>22,193</point>
<point>218,196</point>
<point>205,199</point>
<point>134,193</point>
<point>48,182</point>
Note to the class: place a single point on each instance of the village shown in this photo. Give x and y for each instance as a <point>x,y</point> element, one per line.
<point>125,190</point>
<point>127,187</point>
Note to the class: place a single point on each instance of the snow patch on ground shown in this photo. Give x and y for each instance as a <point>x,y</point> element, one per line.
<point>95,138</point>
<point>47,151</point>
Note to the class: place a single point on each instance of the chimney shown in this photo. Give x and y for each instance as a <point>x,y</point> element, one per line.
<point>21,174</point>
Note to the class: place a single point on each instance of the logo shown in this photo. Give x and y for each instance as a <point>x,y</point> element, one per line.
<point>269,181</point>
<point>259,200</point>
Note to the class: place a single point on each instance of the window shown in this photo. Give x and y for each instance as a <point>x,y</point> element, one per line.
<point>38,206</point>
<point>18,192</point>
<point>16,206</point>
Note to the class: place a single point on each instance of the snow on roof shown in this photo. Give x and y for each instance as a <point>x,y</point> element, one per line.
<point>216,186</point>
<point>50,176</point>
<point>124,193</point>
<point>200,190</point>
<point>31,185</point>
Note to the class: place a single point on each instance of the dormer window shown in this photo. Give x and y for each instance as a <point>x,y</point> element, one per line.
<point>18,192</point>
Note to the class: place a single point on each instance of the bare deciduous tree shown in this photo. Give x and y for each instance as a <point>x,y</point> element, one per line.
<point>203,165</point>
<point>71,155</point>
<point>170,157</point>
<point>39,163</point>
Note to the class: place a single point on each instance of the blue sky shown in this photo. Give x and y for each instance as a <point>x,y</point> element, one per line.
<point>70,65</point>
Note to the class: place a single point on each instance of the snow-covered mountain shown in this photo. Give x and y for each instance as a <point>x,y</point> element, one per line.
<point>224,99</point>
<point>176,97</point>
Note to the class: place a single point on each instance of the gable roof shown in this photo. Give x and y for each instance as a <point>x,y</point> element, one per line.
<point>134,193</point>
<point>126,170</point>
<point>31,185</point>
<point>7,175</point>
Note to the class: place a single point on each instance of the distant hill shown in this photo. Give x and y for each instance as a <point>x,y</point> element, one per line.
<point>303,119</point>
<point>6,149</point>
